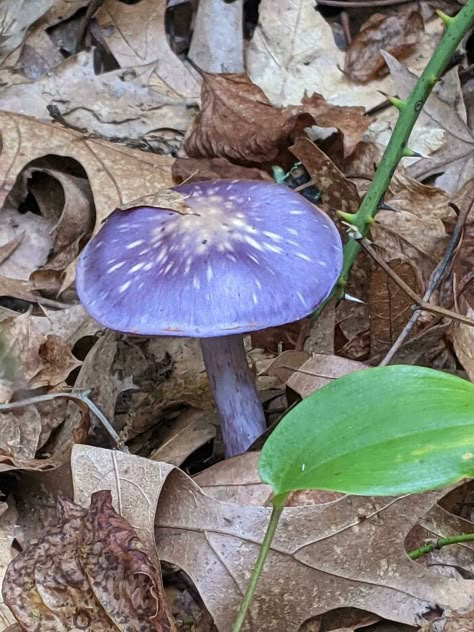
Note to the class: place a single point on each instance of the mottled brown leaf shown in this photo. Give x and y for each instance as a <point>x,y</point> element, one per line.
<point>345,553</point>
<point>337,192</point>
<point>88,572</point>
<point>238,122</point>
<point>398,34</point>
<point>389,305</point>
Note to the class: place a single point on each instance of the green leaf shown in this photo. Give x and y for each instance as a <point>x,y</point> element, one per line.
<point>383,431</point>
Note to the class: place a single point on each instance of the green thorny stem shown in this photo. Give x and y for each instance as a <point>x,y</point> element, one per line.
<point>262,556</point>
<point>397,148</point>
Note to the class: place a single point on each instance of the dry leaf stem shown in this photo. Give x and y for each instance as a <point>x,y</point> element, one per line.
<point>409,110</point>
<point>257,570</point>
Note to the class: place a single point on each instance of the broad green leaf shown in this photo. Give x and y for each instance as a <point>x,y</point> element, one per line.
<point>383,431</point>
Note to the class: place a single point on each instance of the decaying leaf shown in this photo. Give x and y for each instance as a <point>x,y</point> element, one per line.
<point>455,158</point>
<point>8,523</point>
<point>90,570</point>
<point>238,122</point>
<point>344,553</point>
<point>389,305</point>
<point>191,430</point>
<point>293,51</point>
<point>198,169</point>
<point>337,192</point>
<point>319,370</point>
<point>397,34</point>
<point>111,169</point>
<point>136,36</point>
<point>416,231</point>
<point>41,360</point>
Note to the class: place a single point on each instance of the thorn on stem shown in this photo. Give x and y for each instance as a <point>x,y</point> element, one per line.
<point>445,19</point>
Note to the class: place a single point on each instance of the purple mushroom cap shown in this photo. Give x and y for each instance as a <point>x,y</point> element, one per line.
<point>253,255</point>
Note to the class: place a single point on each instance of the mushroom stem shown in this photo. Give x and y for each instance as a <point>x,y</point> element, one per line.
<point>235,394</point>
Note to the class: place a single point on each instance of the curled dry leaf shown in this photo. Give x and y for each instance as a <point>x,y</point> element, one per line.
<point>238,122</point>
<point>398,34</point>
<point>8,527</point>
<point>336,557</point>
<point>110,168</point>
<point>90,570</point>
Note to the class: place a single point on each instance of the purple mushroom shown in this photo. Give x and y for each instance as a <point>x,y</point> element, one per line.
<point>254,255</point>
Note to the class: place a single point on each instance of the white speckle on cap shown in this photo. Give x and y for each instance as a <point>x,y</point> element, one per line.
<point>322,263</point>
<point>136,267</point>
<point>209,273</point>
<point>196,283</point>
<point>254,298</point>
<point>295,212</point>
<point>98,244</point>
<point>125,286</point>
<point>272,248</point>
<point>272,236</point>
<point>301,297</point>
<point>258,284</point>
<point>116,267</point>
<point>148,266</point>
<point>292,231</point>
<point>168,267</point>
<point>134,244</point>
<point>302,255</point>
<point>252,242</point>
<point>254,258</point>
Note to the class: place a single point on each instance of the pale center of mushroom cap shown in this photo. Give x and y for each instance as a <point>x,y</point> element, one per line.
<point>216,224</point>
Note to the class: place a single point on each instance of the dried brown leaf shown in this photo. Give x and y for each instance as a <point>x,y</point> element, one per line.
<point>136,36</point>
<point>237,122</point>
<point>319,370</point>
<point>8,529</point>
<point>89,571</point>
<point>135,104</point>
<point>337,192</point>
<point>293,51</point>
<point>397,34</point>
<point>285,364</point>
<point>335,556</point>
<point>110,168</point>
<point>455,158</point>
<point>389,306</point>
<point>191,430</point>
<point>199,169</point>
<point>416,231</point>
<point>42,361</point>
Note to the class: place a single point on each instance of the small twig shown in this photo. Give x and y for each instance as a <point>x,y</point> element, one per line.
<point>417,300</point>
<point>82,396</point>
<point>434,281</point>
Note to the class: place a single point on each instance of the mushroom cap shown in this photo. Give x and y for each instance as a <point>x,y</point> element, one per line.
<point>254,255</point>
